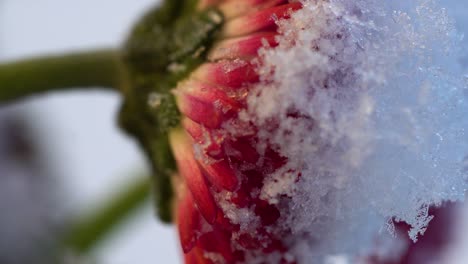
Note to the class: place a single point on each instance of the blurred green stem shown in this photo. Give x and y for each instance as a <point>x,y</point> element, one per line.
<point>88,231</point>
<point>99,68</point>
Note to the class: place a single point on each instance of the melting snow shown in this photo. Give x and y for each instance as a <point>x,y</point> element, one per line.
<point>371,106</point>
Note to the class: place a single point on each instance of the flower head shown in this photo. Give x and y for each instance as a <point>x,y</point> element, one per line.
<point>220,214</point>
<point>286,121</point>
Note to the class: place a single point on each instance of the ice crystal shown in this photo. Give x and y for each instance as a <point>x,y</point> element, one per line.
<point>368,103</point>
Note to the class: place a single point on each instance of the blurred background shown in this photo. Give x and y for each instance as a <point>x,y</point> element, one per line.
<point>62,155</point>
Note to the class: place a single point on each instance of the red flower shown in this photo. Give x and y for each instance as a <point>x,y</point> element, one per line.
<point>221,219</point>
<point>235,192</point>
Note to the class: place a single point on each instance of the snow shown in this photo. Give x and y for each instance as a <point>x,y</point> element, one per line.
<point>370,103</point>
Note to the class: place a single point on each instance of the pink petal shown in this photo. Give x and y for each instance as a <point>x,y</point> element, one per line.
<point>231,74</point>
<point>242,47</point>
<point>190,172</point>
<point>188,221</point>
<point>212,145</point>
<point>234,8</point>
<point>205,104</point>
<point>221,175</point>
<point>261,20</point>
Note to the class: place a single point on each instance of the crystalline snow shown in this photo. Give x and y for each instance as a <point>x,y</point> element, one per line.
<point>281,183</point>
<point>245,217</point>
<point>214,257</point>
<point>379,129</point>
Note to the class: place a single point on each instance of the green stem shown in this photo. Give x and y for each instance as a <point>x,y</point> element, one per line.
<point>88,231</point>
<point>92,69</point>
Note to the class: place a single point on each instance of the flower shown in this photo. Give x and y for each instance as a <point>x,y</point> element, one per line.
<point>220,215</point>
<point>277,116</point>
<point>285,125</point>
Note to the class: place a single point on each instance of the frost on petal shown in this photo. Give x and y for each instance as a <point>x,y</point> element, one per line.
<point>370,106</point>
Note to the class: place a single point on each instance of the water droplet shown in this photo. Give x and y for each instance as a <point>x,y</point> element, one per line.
<point>275,18</point>
<point>154,100</point>
<point>176,67</point>
<point>233,65</point>
<point>215,17</point>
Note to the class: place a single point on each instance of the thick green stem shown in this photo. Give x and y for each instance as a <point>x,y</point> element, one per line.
<point>92,69</point>
<point>86,232</point>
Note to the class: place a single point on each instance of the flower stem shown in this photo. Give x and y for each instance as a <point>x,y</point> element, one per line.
<point>99,68</point>
<point>88,231</point>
